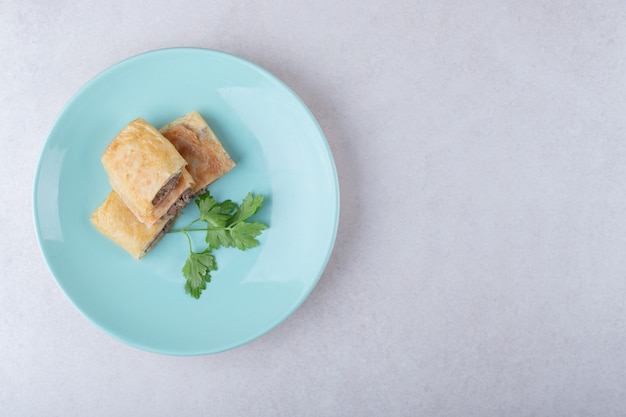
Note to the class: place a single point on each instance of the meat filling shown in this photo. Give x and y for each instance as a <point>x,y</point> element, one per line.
<point>166,189</point>
<point>179,204</point>
<point>172,213</point>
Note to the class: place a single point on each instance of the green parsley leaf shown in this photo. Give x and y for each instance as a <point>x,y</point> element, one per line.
<point>244,234</point>
<point>219,236</point>
<point>197,271</point>
<point>249,206</point>
<point>236,232</point>
<point>226,227</point>
<point>215,214</point>
<point>204,202</point>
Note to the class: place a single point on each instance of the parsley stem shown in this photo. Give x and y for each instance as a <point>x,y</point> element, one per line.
<point>201,229</point>
<point>186,227</point>
<point>188,240</point>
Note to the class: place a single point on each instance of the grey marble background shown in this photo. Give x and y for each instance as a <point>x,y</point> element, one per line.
<point>480,264</point>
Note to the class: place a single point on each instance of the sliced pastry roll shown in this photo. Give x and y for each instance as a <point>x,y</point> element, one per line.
<point>207,160</point>
<point>115,221</point>
<point>145,170</point>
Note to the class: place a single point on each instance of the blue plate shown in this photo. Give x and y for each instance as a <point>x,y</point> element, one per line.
<point>280,152</point>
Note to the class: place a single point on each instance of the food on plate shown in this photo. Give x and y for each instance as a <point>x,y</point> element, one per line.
<point>146,170</point>
<point>207,160</point>
<point>154,174</point>
<point>114,220</point>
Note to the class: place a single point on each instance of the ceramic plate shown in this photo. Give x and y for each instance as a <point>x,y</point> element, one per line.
<point>280,152</point>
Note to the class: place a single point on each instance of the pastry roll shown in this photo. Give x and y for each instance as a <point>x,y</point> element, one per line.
<point>144,169</point>
<point>115,221</point>
<point>207,160</point>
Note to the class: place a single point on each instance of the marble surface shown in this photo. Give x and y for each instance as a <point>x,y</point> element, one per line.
<point>480,263</point>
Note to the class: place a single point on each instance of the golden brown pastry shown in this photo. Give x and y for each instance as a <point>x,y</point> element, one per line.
<point>207,160</point>
<point>115,221</point>
<point>145,170</point>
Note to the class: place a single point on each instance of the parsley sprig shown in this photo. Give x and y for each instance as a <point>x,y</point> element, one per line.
<point>227,226</point>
